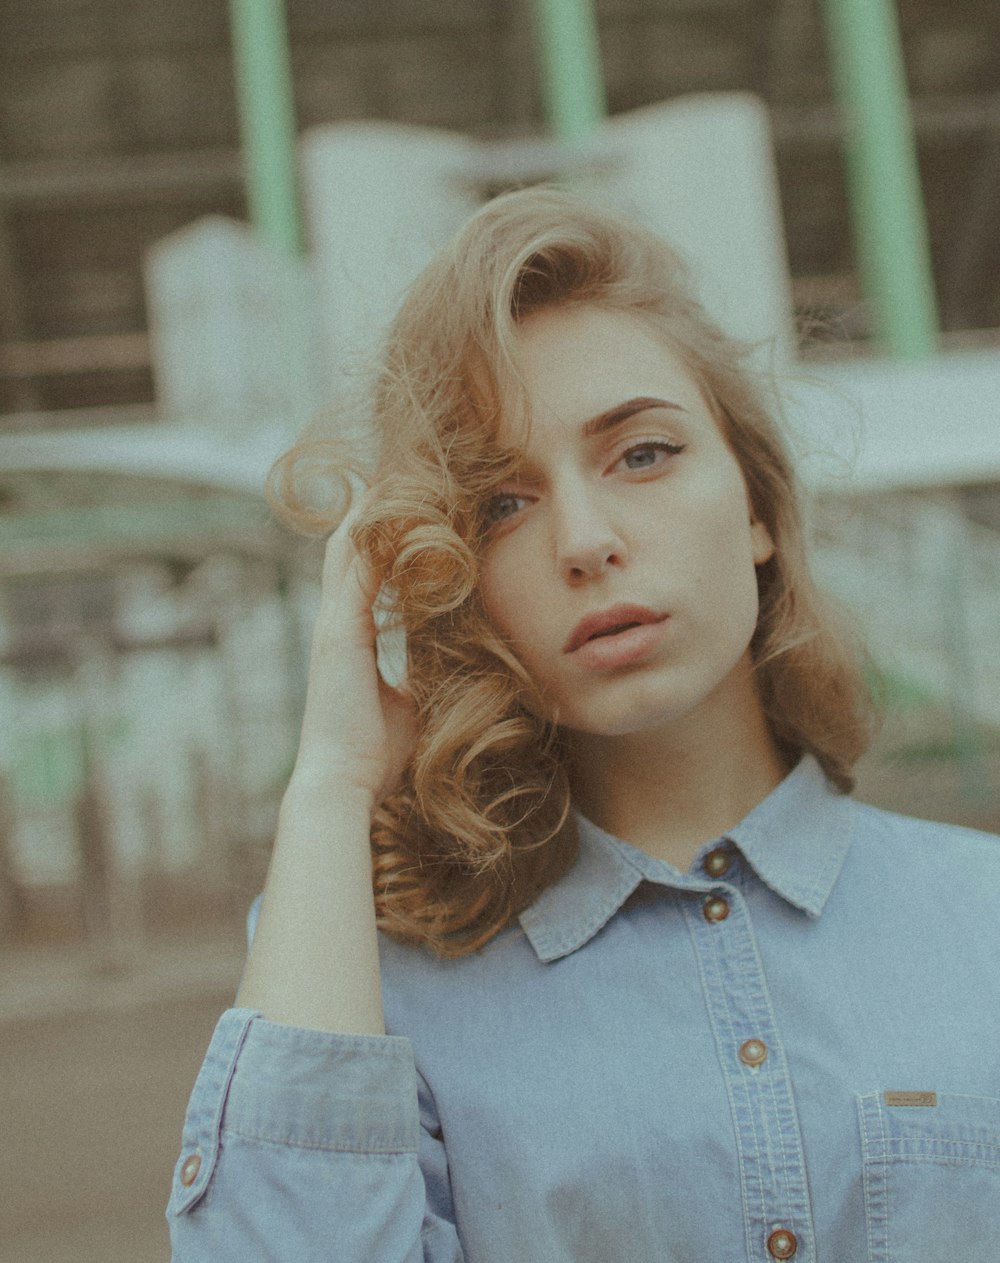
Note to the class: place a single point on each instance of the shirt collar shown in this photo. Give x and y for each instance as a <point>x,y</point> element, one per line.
<point>796,840</point>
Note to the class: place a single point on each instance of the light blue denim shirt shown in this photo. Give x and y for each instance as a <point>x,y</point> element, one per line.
<point>791,1050</point>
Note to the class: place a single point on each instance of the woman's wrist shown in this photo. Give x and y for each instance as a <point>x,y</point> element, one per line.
<point>328,784</point>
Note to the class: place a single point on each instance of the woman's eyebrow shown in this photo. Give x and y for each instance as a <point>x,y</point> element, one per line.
<point>605,421</point>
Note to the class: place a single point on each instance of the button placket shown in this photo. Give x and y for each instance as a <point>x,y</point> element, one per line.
<point>743,1020</point>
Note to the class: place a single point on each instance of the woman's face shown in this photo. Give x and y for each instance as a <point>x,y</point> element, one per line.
<point>620,561</point>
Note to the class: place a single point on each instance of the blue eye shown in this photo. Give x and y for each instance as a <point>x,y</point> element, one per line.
<point>500,507</point>
<point>649,455</point>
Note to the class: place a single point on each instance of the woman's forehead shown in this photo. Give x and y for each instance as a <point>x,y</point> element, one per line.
<point>578,366</point>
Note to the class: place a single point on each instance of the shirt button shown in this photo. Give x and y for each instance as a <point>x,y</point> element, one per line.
<point>189,1171</point>
<point>782,1243</point>
<point>716,908</point>
<point>717,862</point>
<point>753,1052</point>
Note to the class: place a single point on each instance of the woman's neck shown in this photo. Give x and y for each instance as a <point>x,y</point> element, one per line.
<point>670,792</point>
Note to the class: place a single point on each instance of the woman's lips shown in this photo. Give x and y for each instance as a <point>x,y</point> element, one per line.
<point>616,637</point>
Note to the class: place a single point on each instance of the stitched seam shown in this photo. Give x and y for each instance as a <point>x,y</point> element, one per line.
<point>289,1142</point>
<point>938,1159</point>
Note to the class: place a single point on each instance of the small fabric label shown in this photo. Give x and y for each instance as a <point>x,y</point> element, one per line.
<point>911,1098</point>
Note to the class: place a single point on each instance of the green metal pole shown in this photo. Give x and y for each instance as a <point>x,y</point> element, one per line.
<point>570,55</point>
<point>890,230</point>
<point>267,120</point>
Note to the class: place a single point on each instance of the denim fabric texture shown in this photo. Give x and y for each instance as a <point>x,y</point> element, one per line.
<point>793,1045</point>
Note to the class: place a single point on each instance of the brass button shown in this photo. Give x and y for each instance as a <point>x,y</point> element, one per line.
<point>716,908</point>
<point>190,1169</point>
<point>782,1243</point>
<point>753,1052</point>
<point>717,862</point>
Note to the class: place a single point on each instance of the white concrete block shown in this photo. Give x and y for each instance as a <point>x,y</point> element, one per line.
<point>380,200</point>
<point>233,330</point>
<point>700,170</point>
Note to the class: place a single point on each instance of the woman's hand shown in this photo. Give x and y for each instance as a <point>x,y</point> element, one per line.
<point>357,732</point>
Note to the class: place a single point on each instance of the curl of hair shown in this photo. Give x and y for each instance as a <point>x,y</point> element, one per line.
<point>481,822</point>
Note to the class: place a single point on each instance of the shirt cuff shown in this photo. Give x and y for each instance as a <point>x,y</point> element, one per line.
<point>291,1086</point>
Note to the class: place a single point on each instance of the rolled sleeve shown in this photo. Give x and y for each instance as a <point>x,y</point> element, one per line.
<point>302,1145</point>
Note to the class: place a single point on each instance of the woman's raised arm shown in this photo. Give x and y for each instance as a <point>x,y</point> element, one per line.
<point>308,1144</point>
<point>314,957</point>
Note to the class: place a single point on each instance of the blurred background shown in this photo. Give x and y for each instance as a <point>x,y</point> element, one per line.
<point>207,210</point>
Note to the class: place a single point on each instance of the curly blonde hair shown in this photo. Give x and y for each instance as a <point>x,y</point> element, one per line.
<point>482,823</point>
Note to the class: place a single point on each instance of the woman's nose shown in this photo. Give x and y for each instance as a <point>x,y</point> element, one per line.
<point>587,542</point>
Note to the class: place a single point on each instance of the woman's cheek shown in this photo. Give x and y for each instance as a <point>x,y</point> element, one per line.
<point>491,589</point>
<point>505,584</point>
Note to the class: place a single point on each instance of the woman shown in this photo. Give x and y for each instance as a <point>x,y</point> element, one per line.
<point>655,987</point>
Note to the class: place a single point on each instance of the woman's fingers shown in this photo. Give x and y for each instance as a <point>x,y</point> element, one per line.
<point>341,555</point>
<point>348,587</point>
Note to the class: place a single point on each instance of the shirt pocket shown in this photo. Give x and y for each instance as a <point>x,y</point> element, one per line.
<point>931,1178</point>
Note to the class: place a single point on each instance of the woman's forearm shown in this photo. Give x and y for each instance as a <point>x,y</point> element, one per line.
<point>314,957</point>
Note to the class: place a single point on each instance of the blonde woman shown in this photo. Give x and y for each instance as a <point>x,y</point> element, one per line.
<point>576,947</point>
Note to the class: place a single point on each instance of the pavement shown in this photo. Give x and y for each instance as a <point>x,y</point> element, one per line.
<point>95,1070</point>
